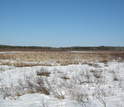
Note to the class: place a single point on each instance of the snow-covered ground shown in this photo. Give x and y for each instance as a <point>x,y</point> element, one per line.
<point>10,52</point>
<point>85,85</point>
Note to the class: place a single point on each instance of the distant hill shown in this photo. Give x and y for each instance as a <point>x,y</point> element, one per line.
<point>74,48</point>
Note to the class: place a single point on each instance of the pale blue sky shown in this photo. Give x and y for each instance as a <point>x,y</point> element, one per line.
<point>62,22</point>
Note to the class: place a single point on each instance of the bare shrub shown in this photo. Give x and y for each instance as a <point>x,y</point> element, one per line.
<point>65,78</point>
<point>99,95</point>
<point>43,72</point>
<point>55,89</point>
<point>58,94</point>
<point>37,86</point>
<point>79,95</point>
<point>8,91</point>
<point>28,86</point>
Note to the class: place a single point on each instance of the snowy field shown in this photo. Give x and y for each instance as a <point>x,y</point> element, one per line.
<point>81,85</point>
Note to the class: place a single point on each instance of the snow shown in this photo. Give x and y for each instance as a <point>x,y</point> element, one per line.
<point>10,52</point>
<point>82,85</point>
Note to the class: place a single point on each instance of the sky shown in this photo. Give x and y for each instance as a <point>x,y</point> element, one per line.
<point>60,23</point>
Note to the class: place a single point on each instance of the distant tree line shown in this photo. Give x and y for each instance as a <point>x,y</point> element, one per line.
<point>74,48</point>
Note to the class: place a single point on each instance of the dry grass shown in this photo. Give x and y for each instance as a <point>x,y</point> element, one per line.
<point>43,74</point>
<point>63,57</point>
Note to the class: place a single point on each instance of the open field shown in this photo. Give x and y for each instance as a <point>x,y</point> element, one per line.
<point>33,58</point>
<point>62,79</point>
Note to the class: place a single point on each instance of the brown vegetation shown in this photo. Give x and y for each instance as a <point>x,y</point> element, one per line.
<point>47,58</point>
